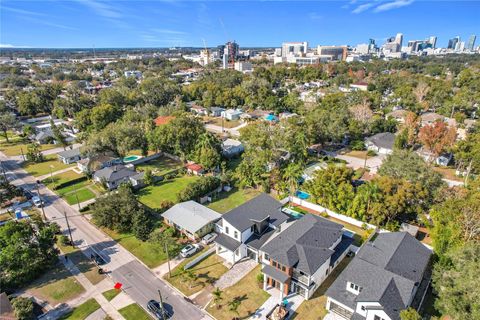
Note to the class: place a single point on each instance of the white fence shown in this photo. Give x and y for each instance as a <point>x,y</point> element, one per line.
<point>332,214</point>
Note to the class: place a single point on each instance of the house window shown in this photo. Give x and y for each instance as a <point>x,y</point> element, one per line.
<point>274,264</point>
<point>284,269</point>
<point>266,257</point>
<point>235,234</point>
<point>355,288</point>
<point>226,230</point>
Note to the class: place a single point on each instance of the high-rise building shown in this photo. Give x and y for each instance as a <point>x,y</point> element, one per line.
<point>471,42</point>
<point>294,48</point>
<point>230,54</point>
<point>452,43</point>
<point>433,41</point>
<point>399,39</point>
<point>393,44</point>
<point>220,50</point>
<point>335,52</point>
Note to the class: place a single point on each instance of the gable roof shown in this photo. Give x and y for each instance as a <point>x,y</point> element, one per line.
<point>382,140</point>
<point>161,120</point>
<point>115,173</point>
<point>305,244</point>
<point>387,270</point>
<point>70,153</point>
<point>191,215</point>
<point>257,209</point>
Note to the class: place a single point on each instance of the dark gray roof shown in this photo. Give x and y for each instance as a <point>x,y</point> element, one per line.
<point>256,241</point>
<point>115,173</point>
<point>387,270</point>
<point>343,246</point>
<point>227,242</point>
<point>382,140</point>
<point>305,243</point>
<point>275,273</point>
<point>70,153</point>
<point>257,209</point>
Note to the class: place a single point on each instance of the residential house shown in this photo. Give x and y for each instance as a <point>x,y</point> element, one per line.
<point>231,148</point>
<point>360,85</point>
<point>387,275</point>
<point>115,175</point>
<point>70,156</point>
<point>300,257</point>
<point>94,163</point>
<point>6,309</point>
<point>162,120</point>
<point>44,137</point>
<point>231,114</point>
<point>243,230</point>
<point>309,171</point>
<point>198,110</point>
<point>429,118</point>
<point>216,111</point>
<point>195,169</point>
<point>287,115</point>
<point>381,143</point>
<point>132,74</point>
<point>191,219</point>
<point>399,115</point>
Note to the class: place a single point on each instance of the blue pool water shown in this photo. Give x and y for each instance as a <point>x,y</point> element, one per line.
<point>302,195</point>
<point>293,213</point>
<point>348,233</point>
<point>131,158</point>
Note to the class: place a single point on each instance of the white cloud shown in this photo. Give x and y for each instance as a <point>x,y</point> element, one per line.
<point>168,31</point>
<point>22,12</point>
<point>393,5</point>
<point>8,45</point>
<point>362,7</point>
<point>102,9</point>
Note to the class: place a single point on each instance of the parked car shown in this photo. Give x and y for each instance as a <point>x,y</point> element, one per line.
<point>37,201</point>
<point>154,307</point>
<point>209,238</point>
<point>98,259</point>
<point>189,250</point>
<point>28,194</point>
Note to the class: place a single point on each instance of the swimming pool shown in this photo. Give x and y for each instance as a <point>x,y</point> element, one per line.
<point>302,195</point>
<point>293,213</point>
<point>131,158</point>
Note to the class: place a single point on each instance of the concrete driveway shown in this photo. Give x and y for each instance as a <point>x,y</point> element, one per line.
<point>356,163</point>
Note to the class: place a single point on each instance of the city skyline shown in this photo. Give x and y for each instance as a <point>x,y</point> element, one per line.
<point>251,24</point>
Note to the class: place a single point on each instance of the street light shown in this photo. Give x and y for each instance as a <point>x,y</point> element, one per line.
<point>51,175</point>
<point>41,201</point>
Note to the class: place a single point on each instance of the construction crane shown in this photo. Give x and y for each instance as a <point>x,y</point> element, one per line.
<point>207,51</point>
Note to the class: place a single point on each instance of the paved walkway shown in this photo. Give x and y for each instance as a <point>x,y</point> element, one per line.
<point>162,270</point>
<point>237,272</point>
<point>97,315</point>
<point>294,301</point>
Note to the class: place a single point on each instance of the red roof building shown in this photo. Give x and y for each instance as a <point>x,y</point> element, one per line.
<point>161,120</point>
<point>194,168</point>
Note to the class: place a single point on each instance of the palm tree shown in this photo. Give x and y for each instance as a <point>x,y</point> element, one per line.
<point>217,297</point>
<point>233,306</point>
<point>293,172</point>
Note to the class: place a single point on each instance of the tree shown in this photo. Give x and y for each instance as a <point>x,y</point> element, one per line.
<point>436,138</point>
<point>456,283</point>
<point>58,135</point>
<point>217,297</point>
<point>148,177</point>
<point>208,151</point>
<point>7,122</point>
<point>25,254</point>
<point>410,314</point>
<point>467,154</point>
<point>33,153</point>
<point>233,305</point>
<point>165,240</point>
<point>292,174</point>
<point>23,308</point>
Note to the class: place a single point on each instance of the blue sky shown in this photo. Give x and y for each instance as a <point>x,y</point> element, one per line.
<point>87,23</point>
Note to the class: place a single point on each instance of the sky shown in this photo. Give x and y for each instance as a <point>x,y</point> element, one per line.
<point>168,23</point>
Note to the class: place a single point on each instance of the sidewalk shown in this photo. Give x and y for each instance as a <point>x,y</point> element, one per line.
<point>294,301</point>
<point>237,272</point>
<point>46,176</point>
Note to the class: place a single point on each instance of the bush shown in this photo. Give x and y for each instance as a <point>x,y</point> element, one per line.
<point>198,188</point>
<point>69,183</point>
<point>357,145</point>
<point>371,153</point>
<point>260,278</point>
<point>64,240</point>
<point>23,308</point>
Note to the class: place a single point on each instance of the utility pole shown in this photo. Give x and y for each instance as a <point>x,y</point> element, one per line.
<point>41,201</point>
<point>68,226</point>
<point>78,203</point>
<point>162,309</point>
<point>168,260</point>
<point>23,156</point>
<point>3,171</point>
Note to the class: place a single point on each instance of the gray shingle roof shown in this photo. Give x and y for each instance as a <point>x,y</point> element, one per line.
<point>70,153</point>
<point>114,173</point>
<point>382,140</point>
<point>275,273</point>
<point>256,209</point>
<point>191,215</point>
<point>227,242</point>
<point>387,270</point>
<point>305,244</point>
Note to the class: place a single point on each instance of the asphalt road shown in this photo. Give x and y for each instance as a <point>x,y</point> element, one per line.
<point>137,280</point>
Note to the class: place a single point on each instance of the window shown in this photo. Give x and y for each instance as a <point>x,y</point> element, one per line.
<point>252,229</point>
<point>352,287</point>
<point>274,264</point>
<point>284,269</point>
<point>235,234</point>
<point>266,257</point>
<point>226,230</point>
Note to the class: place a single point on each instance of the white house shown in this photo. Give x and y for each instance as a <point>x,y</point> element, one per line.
<point>232,114</point>
<point>231,147</point>
<point>381,143</point>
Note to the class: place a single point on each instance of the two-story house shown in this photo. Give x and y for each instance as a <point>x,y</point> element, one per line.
<point>386,276</point>
<point>300,257</point>
<point>243,230</point>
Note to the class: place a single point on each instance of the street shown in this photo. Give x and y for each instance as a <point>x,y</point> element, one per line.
<point>138,281</point>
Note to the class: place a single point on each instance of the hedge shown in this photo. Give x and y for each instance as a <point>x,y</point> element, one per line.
<point>70,183</point>
<point>198,188</point>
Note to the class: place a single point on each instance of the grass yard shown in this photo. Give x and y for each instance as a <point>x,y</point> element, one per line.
<point>83,189</point>
<point>83,311</point>
<point>448,173</point>
<point>56,286</point>
<point>247,291</point>
<point>82,194</point>
<point>134,312</point>
<point>16,146</point>
<point>153,196</point>
<point>226,201</point>
<point>160,166</point>
<point>110,294</point>
<point>5,216</point>
<point>151,254</point>
<point>357,154</point>
<point>12,137</point>
<point>207,272</point>
<point>43,168</point>
<point>217,121</point>
<point>314,309</point>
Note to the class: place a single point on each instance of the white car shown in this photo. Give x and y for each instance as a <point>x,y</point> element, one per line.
<point>209,238</point>
<point>37,201</point>
<point>189,250</point>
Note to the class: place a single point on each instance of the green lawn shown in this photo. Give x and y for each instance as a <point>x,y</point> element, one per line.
<point>83,311</point>
<point>82,194</point>
<point>153,196</point>
<point>82,188</point>
<point>51,164</point>
<point>16,146</point>
<point>217,121</point>
<point>248,291</point>
<point>151,254</point>
<point>160,166</point>
<point>110,294</point>
<point>314,309</point>
<point>226,201</point>
<point>207,272</point>
<point>134,312</point>
<point>56,286</point>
